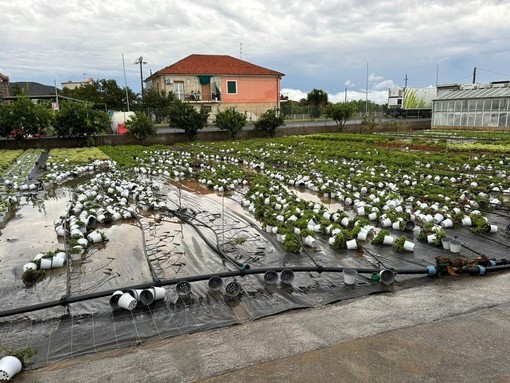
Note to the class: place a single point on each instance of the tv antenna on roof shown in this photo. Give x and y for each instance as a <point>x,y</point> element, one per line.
<point>241,51</point>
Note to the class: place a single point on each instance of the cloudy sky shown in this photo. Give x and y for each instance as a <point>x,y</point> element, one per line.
<point>323,44</point>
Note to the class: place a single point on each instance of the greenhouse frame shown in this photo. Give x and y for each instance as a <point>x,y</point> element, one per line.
<point>473,106</point>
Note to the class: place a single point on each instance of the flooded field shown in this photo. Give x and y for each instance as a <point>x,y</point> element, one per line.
<point>171,218</point>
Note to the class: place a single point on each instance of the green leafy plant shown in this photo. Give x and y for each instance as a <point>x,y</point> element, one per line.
<point>269,121</point>
<point>30,276</point>
<point>230,120</point>
<point>141,126</point>
<point>398,244</point>
<point>379,238</point>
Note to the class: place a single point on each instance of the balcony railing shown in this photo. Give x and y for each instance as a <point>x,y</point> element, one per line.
<point>199,97</point>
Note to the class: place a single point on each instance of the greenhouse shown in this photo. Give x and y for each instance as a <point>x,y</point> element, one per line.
<point>473,106</point>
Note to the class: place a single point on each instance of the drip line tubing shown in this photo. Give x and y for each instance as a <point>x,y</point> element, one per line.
<point>241,266</point>
<point>66,300</point>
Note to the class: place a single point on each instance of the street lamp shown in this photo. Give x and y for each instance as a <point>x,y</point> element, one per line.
<point>141,62</point>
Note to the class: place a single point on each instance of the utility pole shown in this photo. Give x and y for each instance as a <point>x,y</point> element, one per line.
<point>405,81</point>
<point>345,96</point>
<point>474,75</point>
<point>366,94</point>
<point>141,62</point>
<point>125,82</point>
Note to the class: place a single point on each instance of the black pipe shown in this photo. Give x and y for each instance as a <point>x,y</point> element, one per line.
<point>481,270</point>
<point>65,300</point>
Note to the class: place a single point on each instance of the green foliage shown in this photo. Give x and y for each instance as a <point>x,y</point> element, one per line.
<point>8,156</point>
<point>157,102</point>
<point>80,120</point>
<point>230,120</point>
<point>398,244</point>
<point>291,244</point>
<point>269,121</point>
<point>104,93</point>
<point>31,276</point>
<point>141,126</point>
<point>23,354</point>
<point>76,155</point>
<point>340,112</point>
<point>23,118</point>
<point>184,116</point>
<point>379,238</point>
<point>369,123</point>
<point>317,99</point>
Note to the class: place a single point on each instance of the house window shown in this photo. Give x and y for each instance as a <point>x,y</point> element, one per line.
<point>232,87</point>
<point>179,90</point>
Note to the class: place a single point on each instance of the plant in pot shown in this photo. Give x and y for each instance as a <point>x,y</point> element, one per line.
<point>398,244</point>
<point>379,238</point>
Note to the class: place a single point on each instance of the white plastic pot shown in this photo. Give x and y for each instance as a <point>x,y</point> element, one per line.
<point>446,243</point>
<point>388,240</point>
<point>309,241</point>
<point>352,244</point>
<point>466,221</point>
<point>114,299</point>
<point>455,246</point>
<point>9,366</point>
<point>431,238</point>
<point>386,222</point>
<point>57,262</point>
<point>409,246</point>
<point>447,223</point>
<point>95,237</point>
<point>126,301</point>
<point>148,296</point>
<point>29,265</point>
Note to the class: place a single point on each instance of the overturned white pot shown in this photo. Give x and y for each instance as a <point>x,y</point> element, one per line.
<point>148,296</point>
<point>388,240</point>
<point>408,246</point>
<point>95,237</point>
<point>447,223</point>
<point>351,244</point>
<point>126,301</point>
<point>9,366</point>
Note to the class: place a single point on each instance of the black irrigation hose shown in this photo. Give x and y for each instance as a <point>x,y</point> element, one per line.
<point>241,266</point>
<point>65,300</point>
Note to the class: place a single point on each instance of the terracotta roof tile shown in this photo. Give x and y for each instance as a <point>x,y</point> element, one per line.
<point>215,65</point>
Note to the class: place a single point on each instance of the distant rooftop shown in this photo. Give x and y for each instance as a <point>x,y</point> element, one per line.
<point>197,64</point>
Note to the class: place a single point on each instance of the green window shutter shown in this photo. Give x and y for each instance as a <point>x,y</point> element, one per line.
<point>231,87</point>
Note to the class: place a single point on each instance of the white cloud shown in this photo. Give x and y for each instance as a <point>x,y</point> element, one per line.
<point>316,44</point>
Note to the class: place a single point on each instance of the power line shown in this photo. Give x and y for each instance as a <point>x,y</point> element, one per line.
<point>501,74</point>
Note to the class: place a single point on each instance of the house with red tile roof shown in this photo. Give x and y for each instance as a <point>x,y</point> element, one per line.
<point>217,82</point>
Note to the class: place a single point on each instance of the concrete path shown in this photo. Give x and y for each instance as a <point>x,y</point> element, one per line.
<point>455,329</point>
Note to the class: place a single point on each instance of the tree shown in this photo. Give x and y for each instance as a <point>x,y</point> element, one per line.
<point>77,119</point>
<point>104,92</point>
<point>368,122</point>
<point>231,120</point>
<point>185,116</point>
<point>157,102</point>
<point>317,99</point>
<point>269,121</point>
<point>340,112</point>
<point>23,118</point>
<point>141,126</point>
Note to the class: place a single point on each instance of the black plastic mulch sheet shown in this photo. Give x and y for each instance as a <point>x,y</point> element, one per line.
<point>174,249</point>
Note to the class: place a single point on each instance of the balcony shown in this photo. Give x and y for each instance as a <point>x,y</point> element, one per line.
<point>202,97</point>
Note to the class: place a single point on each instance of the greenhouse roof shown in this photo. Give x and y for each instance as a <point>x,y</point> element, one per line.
<point>493,92</point>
